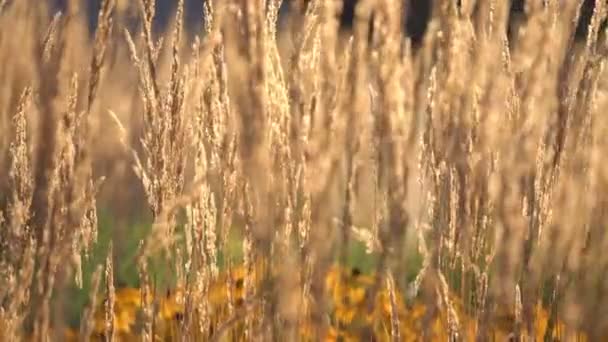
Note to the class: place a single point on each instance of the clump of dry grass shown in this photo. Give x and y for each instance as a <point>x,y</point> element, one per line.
<point>479,151</point>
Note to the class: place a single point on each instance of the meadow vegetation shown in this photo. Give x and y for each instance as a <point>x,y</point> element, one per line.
<point>287,180</point>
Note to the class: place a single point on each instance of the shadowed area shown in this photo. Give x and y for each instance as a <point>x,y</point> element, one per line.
<point>418,14</point>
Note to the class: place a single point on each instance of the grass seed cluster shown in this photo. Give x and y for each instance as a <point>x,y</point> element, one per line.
<point>264,149</point>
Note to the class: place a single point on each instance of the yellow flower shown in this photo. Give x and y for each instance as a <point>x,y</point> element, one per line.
<point>127,303</point>
<point>128,297</point>
<point>334,335</point>
<point>70,335</point>
<point>172,305</point>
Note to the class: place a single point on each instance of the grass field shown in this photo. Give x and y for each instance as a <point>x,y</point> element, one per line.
<point>290,180</point>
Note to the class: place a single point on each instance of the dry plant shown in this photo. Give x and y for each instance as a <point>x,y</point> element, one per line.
<point>477,150</point>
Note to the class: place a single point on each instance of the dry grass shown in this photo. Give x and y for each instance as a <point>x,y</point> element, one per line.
<point>481,153</point>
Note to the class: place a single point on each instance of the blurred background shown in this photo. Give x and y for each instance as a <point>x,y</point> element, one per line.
<point>418,13</point>
<point>124,215</point>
